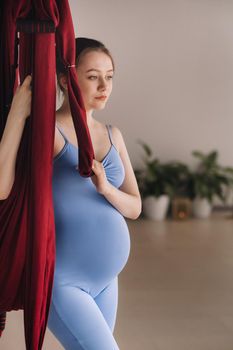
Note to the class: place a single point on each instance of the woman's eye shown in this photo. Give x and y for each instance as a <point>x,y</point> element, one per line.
<point>93,77</point>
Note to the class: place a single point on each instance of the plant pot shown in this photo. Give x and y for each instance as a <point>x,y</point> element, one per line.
<point>202,208</point>
<point>156,208</point>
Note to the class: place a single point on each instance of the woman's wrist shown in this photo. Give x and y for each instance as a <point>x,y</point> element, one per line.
<point>107,189</point>
<point>17,117</point>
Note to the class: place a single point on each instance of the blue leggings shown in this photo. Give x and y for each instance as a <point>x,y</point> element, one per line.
<point>80,321</point>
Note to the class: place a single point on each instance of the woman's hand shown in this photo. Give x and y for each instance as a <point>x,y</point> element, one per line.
<point>99,179</point>
<point>21,103</point>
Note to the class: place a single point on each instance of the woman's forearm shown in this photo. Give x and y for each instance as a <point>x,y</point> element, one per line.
<point>128,205</point>
<point>9,146</point>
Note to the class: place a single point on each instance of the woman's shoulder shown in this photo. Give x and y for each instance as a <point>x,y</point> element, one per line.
<point>115,133</point>
<point>117,136</point>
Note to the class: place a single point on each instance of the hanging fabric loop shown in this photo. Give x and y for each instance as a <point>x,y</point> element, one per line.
<point>35,26</point>
<point>27,231</point>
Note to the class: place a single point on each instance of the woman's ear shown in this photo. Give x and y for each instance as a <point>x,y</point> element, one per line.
<point>63,81</point>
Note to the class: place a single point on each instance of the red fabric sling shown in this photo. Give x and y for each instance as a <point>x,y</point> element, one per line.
<point>27,230</point>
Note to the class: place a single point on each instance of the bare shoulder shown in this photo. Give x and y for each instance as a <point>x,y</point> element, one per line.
<point>129,184</point>
<point>117,137</point>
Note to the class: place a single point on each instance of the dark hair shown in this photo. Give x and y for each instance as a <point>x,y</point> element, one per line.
<point>83,46</point>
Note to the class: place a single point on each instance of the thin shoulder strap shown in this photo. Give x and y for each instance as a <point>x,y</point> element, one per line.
<point>62,132</point>
<point>109,128</point>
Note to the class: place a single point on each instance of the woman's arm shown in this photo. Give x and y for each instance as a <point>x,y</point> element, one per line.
<point>127,198</point>
<point>9,145</point>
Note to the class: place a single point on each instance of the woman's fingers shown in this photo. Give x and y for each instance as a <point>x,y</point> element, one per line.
<point>27,81</point>
<point>21,103</point>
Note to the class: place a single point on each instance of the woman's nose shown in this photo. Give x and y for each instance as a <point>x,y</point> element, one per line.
<point>102,84</point>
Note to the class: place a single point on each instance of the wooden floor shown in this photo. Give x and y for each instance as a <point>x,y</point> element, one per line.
<point>175,293</point>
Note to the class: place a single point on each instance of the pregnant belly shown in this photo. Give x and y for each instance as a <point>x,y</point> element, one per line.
<point>92,241</point>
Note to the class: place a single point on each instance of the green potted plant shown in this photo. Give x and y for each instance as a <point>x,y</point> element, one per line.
<point>209,180</point>
<point>158,182</point>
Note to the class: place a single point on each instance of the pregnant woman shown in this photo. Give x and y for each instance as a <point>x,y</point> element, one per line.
<point>92,238</point>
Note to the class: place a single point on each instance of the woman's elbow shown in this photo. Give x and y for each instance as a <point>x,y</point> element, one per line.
<point>5,191</point>
<point>3,196</point>
<point>137,215</point>
<point>138,211</point>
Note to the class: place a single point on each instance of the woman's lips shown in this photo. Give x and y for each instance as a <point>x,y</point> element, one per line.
<point>101,98</point>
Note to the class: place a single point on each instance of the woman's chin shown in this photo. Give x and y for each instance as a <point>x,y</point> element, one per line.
<point>99,106</point>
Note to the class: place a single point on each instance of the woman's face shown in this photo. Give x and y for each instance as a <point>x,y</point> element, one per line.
<point>95,74</point>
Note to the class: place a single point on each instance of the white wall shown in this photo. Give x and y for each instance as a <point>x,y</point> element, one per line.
<point>173,86</point>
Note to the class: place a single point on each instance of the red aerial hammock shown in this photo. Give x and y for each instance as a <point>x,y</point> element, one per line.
<point>27,230</point>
